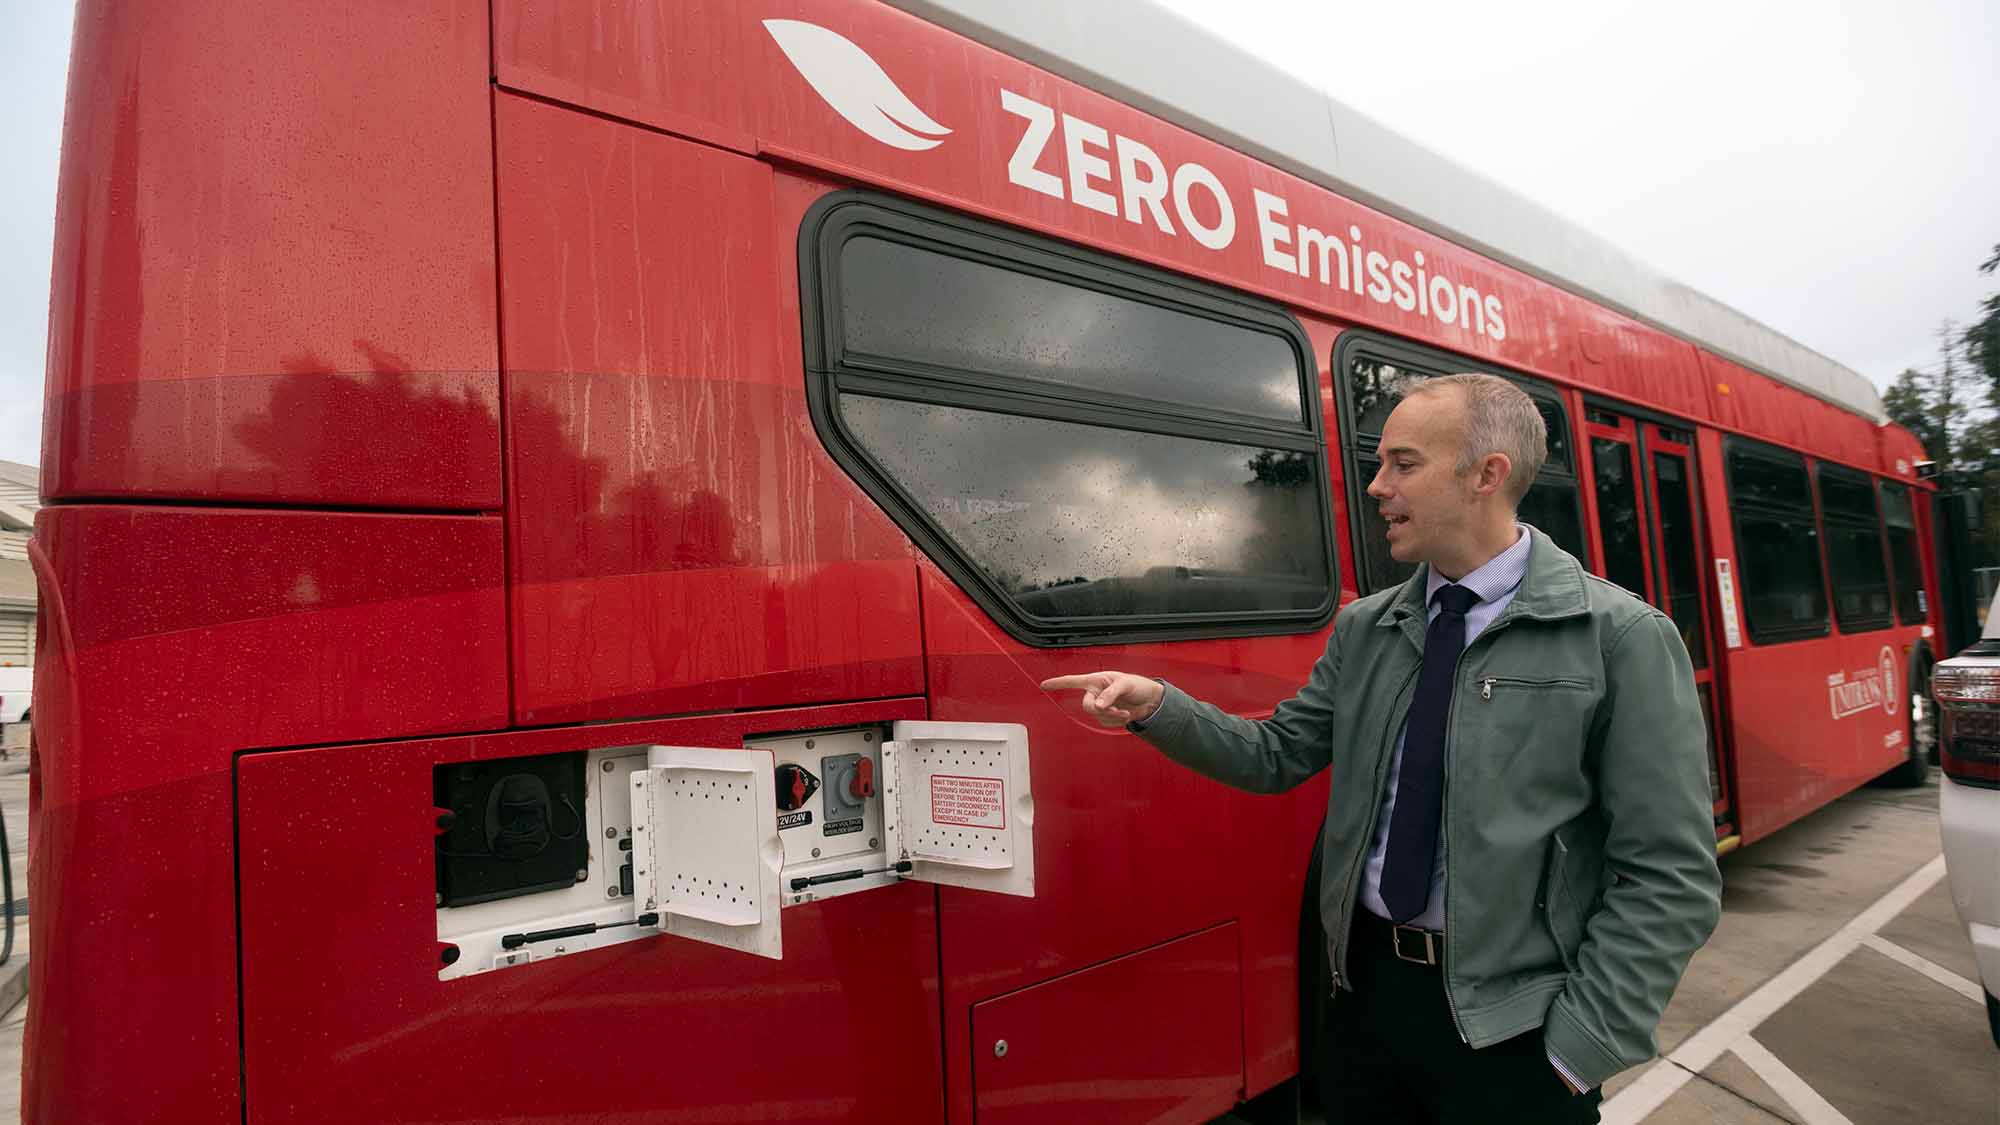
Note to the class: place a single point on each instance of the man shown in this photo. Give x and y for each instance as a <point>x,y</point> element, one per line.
<point>1519,853</point>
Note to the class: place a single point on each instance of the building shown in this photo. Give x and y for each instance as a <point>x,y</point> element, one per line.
<point>20,495</point>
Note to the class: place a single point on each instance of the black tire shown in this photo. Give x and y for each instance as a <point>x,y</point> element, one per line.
<point>1919,729</point>
<point>1993,1018</point>
<point>1315,982</point>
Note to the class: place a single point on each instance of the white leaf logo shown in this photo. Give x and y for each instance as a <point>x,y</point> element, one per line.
<point>855,86</point>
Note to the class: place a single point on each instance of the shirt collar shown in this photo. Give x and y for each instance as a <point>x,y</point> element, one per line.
<point>1501,574</point>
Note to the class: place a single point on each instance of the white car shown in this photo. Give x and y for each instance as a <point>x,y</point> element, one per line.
<point>17,693</point>
<point>1967,688</point>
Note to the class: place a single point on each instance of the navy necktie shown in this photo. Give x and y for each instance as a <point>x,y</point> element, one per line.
<point>1413,824</point>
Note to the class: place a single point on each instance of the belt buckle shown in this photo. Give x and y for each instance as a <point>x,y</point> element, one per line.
<point>1428,945</point>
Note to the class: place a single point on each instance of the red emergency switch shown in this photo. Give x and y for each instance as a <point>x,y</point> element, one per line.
<point>795,786</point>
<point>861,783</point>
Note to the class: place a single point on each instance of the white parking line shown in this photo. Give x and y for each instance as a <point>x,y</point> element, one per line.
<point>1926,966</point>
<point>1664,1078</point>
<point>1804,1100</point>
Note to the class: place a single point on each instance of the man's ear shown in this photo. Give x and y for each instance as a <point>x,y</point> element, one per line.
<point>1494,469</point>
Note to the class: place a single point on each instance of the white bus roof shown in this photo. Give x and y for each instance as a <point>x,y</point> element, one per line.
<point>1183,74</point>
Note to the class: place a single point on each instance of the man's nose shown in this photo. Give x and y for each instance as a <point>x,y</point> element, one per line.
<point>1376,488</point>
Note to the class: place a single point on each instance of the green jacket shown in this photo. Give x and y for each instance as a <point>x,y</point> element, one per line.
<point>1578,826</point>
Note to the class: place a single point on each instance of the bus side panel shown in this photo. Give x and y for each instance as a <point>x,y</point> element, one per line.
<point>1131,849</point>
<point>680,539</point>
<point>273,273</point>
<point>718,72</point>
<point>345,1019</point>
<point>1787,752</point>
<point>1618,357</point>
<point>1769,409</point>
<point>186,635</point>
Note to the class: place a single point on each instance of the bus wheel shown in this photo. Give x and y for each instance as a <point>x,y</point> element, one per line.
<point>1921,735</point>
<point>1315,982</point>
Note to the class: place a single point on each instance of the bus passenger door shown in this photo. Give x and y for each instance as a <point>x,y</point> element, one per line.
<point>1648,533</point>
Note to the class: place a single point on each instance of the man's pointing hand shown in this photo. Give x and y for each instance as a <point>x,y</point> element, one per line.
<point>1113,698</point>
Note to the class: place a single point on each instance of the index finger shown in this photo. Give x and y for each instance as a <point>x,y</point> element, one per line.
<point>1084,682</point>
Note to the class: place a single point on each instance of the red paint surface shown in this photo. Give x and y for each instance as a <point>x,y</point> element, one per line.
<point>1130,849</point>
<point>1788,754</point>
<point>274,257</point>
<point>263,628</point>
<point>346,1020</point>
<point>1151,1037</point>
<point>680,539</point>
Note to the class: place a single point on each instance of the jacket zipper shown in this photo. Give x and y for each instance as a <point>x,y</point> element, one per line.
<point>1485,692</point>
<point>1486,685</point>
<point>1368,841</point>
<point>1444,812</point>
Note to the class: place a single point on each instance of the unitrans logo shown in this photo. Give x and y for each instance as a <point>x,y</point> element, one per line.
<point>1865,689</point>
<point>855,86</point>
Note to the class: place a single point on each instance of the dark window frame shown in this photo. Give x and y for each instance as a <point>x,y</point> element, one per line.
<point>1921,597</point>
<point>1732,447</point>
<point>1831,519</point>
<point>831,371</point>
<point>1355,445</point>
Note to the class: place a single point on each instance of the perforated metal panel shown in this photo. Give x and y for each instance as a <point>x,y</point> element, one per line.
<point>705,842</point>
<point>957,804</point>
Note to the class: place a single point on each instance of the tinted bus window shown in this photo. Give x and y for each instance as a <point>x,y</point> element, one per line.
<point>1075,520</point>
<point>1912,607</point>
<point>1777,541</point>
<point>1618,515</point>
<point>1670,480</point>
<point>902,302</point>
<point>1371,387</point>
<point>1551,504</point>
<point>1854,550</point>
<point>1372,381</point>
<point>1094,453</point>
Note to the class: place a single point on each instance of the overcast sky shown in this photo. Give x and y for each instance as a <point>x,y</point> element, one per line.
<point>1832,169</point>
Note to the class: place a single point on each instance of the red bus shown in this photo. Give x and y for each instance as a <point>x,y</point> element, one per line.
<point>555,515</point>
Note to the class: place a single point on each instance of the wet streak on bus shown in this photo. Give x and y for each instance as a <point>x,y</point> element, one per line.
<point>459,418</point>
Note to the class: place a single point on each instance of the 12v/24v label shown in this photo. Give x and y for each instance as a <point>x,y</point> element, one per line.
<point>795,819</point>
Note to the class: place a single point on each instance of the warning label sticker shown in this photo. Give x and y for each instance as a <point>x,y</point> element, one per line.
<point>977,802</point>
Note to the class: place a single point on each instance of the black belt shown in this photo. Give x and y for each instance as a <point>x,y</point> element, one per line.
<point>1414,944</point>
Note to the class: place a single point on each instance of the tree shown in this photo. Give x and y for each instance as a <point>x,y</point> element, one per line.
<point>1956,415</point>
<point>1949,400</point>
<point>1940,406</point>
<point>1907,404</point>
<point>1982,338</point>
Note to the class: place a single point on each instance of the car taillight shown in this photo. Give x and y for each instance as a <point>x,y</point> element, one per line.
<point>1969,734</point>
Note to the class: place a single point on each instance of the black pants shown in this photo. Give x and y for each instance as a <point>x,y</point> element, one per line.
<point>1393,1055</point>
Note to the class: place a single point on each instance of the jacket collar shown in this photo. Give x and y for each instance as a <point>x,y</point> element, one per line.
<point>1554,589</point>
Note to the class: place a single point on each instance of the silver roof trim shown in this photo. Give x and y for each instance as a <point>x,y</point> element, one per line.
<point>1243,102</point>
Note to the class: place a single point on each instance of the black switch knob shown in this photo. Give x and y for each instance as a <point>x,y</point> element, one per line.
<point>796,785</point>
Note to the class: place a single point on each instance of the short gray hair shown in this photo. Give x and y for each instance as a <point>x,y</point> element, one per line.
<point>1499,418</point>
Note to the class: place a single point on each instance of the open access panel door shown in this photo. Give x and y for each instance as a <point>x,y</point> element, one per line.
<point>708,864</point>
<point>957,807</point>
